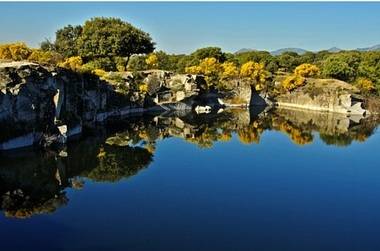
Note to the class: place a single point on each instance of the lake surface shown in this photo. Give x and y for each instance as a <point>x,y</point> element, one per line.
<point>236,180</point>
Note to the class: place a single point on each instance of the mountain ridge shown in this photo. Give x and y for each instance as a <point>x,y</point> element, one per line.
<point>302,51</point>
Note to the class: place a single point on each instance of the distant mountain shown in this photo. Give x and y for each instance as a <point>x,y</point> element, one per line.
<point>302,51</point>
<point>334,49</point>
<point>244,50</point>
<point>280,51</point>
<point>373,48</point>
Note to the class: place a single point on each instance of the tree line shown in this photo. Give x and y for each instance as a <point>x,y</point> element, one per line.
<point>104,44</point>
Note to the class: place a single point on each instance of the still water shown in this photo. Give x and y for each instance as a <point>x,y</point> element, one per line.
<point>238,180</point>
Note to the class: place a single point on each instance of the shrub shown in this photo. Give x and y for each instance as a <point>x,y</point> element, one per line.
<point>16,51</point>
<point>209,67</point>
<point>292,82</point>
<point>143,88</point>
<point>99,72</point>
<point>72,63</point>
<point>306,70</point>
<point>365,85</point>
<point>229,70</point>
<point>45,57</point>
<point>151,60</point>
<point>5,53</point>
<point>19,51</point>
<point>255,72</point>
<point>336,67</point>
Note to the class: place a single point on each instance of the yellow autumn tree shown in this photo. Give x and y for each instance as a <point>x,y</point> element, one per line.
<point>5,53</point>
<point>306,70</point>
<point>16,51</point>
<point>72,63</point>
<point>209,67</point>
<point>292,82</point>
<point>152,60</point>
<point>255,72</point>
<point>365,85</point>
<point>230,70</point>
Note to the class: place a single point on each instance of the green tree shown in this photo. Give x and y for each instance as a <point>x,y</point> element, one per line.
<point>111,37</point>
<point>208,52</point>
<point>289,60</point>
<point>47,45</point>
<point>336,67</point>
<point>66,41</point>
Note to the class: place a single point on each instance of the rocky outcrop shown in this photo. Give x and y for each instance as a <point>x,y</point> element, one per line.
<point>47,106</point>
<point>324,95</point>
<point>26,103</point>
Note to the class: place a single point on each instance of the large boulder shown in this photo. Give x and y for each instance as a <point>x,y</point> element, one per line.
<point>324,95</point>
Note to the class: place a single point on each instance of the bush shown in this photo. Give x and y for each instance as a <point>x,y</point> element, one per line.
<point>255,72</point>
<point>209,67</point>
<point>137,63</point>
<point>72,63</point>
<point>292,82</point>
<point>19,51</point>
<point>365,85</point>
<point>229,70</point>
<point>151,60</point>
<point>99,72</point>
<point>143,88</point>
<point>45,57</point>
<point>15,51</point>
<point>336,67</point>
<point>5,53</point>
<point>306,70</point>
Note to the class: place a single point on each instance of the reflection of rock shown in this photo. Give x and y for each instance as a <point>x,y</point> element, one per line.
<point>30,184</point>
<point>333,128</point>
<point>324,122</point>
<point>202,109</point>
<point>33,183</point>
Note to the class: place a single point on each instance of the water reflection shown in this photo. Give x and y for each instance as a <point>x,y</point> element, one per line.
<point>34,182</point>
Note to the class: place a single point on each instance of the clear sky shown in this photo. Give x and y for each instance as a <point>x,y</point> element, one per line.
<point>183,27</point>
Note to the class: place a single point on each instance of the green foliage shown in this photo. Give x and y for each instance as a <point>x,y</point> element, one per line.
<point>208,52</point>
<point>66,41</point>
<point>103,37</point>
<point>336,67</point>
<point>47,45</point>
<point>288,61</point>
<point>45,57</point>
<point>137,63</point>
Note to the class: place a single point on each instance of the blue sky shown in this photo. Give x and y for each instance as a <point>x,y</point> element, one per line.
<point>183,27</point>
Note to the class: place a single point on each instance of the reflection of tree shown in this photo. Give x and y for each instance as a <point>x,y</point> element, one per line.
<point>115,163</point>
<point>251,133</point>
<point>34,184</point>
<point>30,185</point>
<point>337,140</point>
<point>22,206</point>
<point>225,135</point>
<point>205,138</point>
<point>298,135</point>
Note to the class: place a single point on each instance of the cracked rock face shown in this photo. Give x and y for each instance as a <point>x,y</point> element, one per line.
<point>26,103</point>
